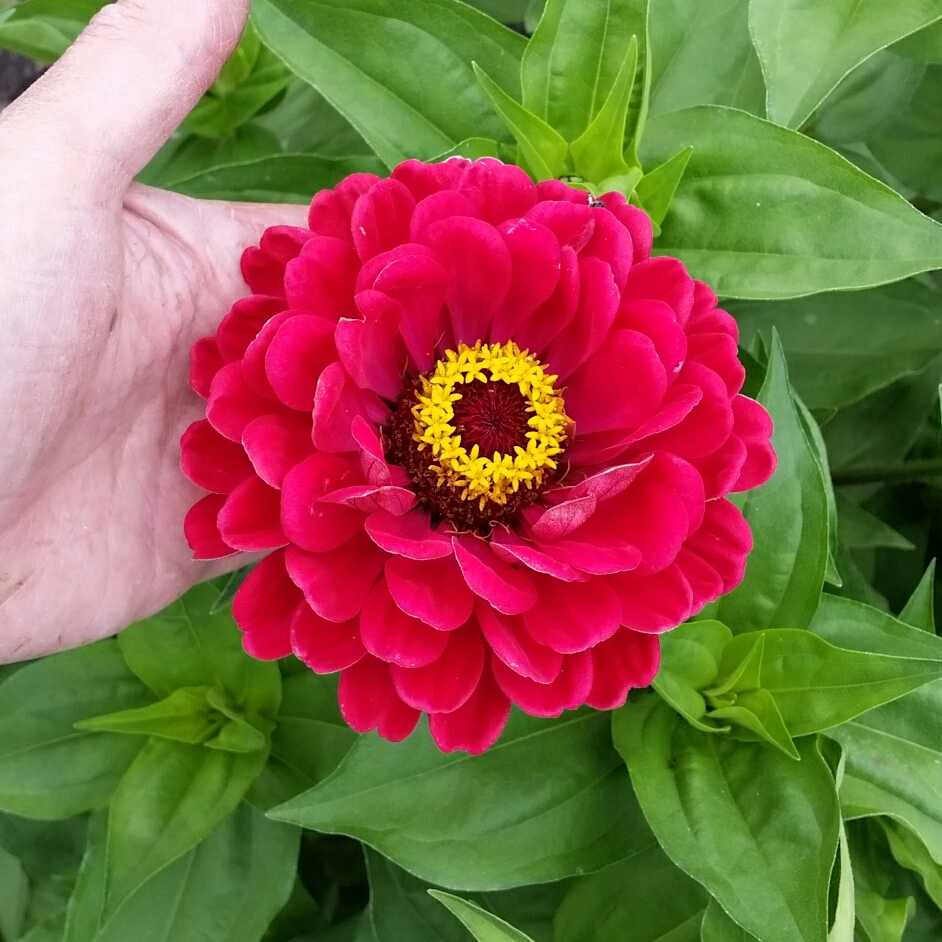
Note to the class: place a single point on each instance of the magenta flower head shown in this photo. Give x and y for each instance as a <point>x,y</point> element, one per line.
<point>486,438</point>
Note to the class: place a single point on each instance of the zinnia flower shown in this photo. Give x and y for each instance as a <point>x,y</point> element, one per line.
<point>487,439</point>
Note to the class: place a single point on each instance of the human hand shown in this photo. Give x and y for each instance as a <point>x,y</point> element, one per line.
<point>105,286</point>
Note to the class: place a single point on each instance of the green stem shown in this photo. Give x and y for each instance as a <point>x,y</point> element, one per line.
<point>877,474</point>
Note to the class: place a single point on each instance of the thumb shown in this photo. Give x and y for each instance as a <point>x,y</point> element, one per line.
<point>130,78</point>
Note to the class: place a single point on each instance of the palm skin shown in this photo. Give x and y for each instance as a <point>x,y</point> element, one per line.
<point>105,286</point>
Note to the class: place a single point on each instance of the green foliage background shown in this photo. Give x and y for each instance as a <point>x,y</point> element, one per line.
<point>782,781</point>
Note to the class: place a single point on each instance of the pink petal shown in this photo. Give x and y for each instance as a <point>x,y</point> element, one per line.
<point>598,559</point>
<point>535,260</point>
<point>381,217</point>
<point>511,549</point>
<point>264,606</point>
<point>372,459</point>
<point>705,582</point>
<point>557,190</point>
<point>656,320</point>
<point>436,207</point>
<point>370,349</point>
<point>598,306</point>
<point>662,279</point>
<point>331,209</point>
<point>570,617</point>
<point>628,659</point>
<point>232,405</point>
<point>548,320</point>
<point>300,351</point>
<point>410,535</point>
<point>422,179</point>
<point>312,525</point>
<point>754,425</point>
<point>635,220</point>
<point>507,589</point>
<point>572,224</point>
<point>654,603</point>
<point>431,590</point>
<point>448,682</point>
<point>478,266</point>
<point>325,646</point>
<point>202,533</point>
<point>619,387</point>
<point>604,485</point>
<point>253,362</point>
<point>720,353</point>
<point>498,191</point>
<point>512,643</point>
<point>242,324</point>
<point>321,279</point>
<point>250,518</point>
<point>721,469</point>
<point>275,444</point>
<point>476,725</point>
<point>263,268</point>
<point>559,521</point>
<point>368,700</point>
<point>395,637</point>
<point>205,363</point>
<point>566,692</point>
<point>337,402</point>
<point>337,583</point>
<point>210,461</point>
<point>610,242</point>
<point>723,540</point>
<point>371,499</point>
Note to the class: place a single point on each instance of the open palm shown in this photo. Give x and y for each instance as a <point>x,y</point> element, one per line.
<point>105,286</point>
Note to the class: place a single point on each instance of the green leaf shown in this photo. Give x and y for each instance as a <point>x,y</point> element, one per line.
<point>690,662</point>
<point>644,898</point>
<point>757,715</point>
<point>550,799</point>
<point>401,75</point>
<point>656,188</point>
<point>227,889</point>
<point>541,147</point>
<point>484,926</point>
<point>171,798</point>
<point>718,927</point>
<point>186,646</point>
<point>184,716</point>
<point>574,59</point>
<point>817,686</point>
<point>764,212</point>
<point>506,11</point>
<point>860,529</point>
<point>806,48</point>
<point>765,853</point>
<point>702,54</point>
<point>598,153</point>
<point>842,926</point>
<point>48,769</point>
<point>842,347</point>
<point>230,585</point>
<point>44,29</point>
<point>14,897</point>
<point>789,521</point>
<point>924,45</point>
<point>282,178</point>
<point>910,852</point>
<point>919,611</point>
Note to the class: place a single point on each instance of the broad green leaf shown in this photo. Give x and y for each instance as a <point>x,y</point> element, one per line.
<point>881,914</point>
<point>171,798</point>
<point>718,927</point>
<point>817,686</point>
<point>48,769</point>
<point>44,29</point>
<point>842,347</point>
<point>656,188</point>
<point>184,716</point>
<point>227,889</point>
<point>186,646</point>
<point>843,923</point>
<point>540,146</point>
<point>924,46</point>
<point>756,715</point>
<point>14,897</point>
<point>644,898</point>
<point>400,74</point>
<point>598,153</point>
<point>789,521</point>
<point>690,662</point>
<point>549,800</point>
<point>702,54</point>
<point>484,926</point>
<point>764,212</point>
<point>807,46</point>
<point>910,852</point>
<point>231,583</point>
<point>507,11</point>
<point>308,743</point>
<point>860,529</point>
<point>282,178</point>
<point>574,58</point>
<point>919,611</point>
<point>765,853</point>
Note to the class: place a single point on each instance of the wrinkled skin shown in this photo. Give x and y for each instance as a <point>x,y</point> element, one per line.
<point>106,284</point>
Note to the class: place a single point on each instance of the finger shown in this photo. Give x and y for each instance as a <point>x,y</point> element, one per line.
<point>129,80</point>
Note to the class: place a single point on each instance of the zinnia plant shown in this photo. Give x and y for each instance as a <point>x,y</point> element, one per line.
<point>489,439</point>
<point>574,477</point>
